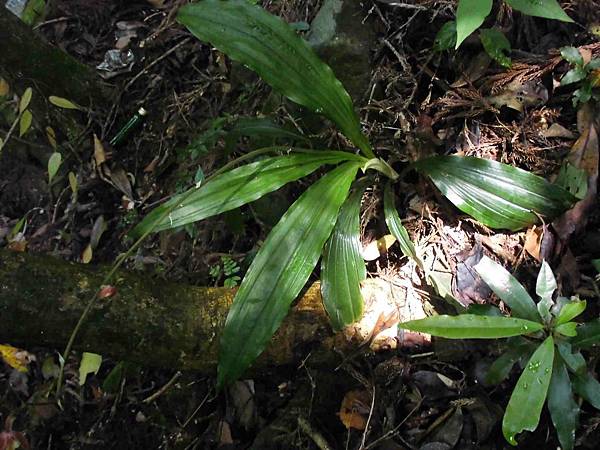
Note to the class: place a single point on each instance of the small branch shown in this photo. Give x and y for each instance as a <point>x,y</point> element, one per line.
<point>316,436</point>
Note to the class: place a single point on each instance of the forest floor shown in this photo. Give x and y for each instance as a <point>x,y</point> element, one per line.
<point>416,102</point>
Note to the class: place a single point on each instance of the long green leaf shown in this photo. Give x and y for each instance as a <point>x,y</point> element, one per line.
<point>263,127</point>
<point>470,14</point>
<point>501,367</point>
<point>496,194</point>
<point>549,9</point>
<point>528,397</point>
<point>573,359</point>
<point>507,288</point>
<point>570,310</point>
<point>588,387</point>
<point>564,410</point>
<point>267,45</point>
<point>280,270</point>
<point>588,334</point>
<point>394,223</point>
<point>237,187</point>
<point>342,266</point>
<point>471,326</point>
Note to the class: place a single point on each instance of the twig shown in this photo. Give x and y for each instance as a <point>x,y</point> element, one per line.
<point>202,402</point>
<point>10,131</point>
<point>163,389</point>
<point>364,437</point>
<point>316,436</point>
<point>394,430</point>
<point>156,61</point>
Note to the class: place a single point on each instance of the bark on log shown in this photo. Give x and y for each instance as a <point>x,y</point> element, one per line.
<point>28,60</point>
<point>154,322</point>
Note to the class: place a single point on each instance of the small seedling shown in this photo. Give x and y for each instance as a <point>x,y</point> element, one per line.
<point>544,336</point>
<point>586,73</point>
<point>228,269</point>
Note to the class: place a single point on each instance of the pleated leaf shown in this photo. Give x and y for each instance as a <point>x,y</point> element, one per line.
<point>394,223</point>
<point>342,266</point>
<point>280,270</point>
<point>496,194</point>
<point>549,9</point>
<point>269,46</point>
<point>237,187</point>
<point>508,289</point>
<point>471,326</point>
<point>528,397</point>
<point>564,410</point>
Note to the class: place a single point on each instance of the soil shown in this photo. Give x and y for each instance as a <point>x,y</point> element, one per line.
<point>418,103</point>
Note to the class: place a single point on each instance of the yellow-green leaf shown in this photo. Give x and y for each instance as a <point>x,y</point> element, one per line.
<point>25,122</point>
<point>53,165</point>
<point>25,99</point>
<point>62,102</point>
<point>90,363</point>
<point>86,256</point>
<point>73,182</point>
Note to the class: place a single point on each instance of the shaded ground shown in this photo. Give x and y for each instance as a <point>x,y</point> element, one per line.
<point>417,103</point>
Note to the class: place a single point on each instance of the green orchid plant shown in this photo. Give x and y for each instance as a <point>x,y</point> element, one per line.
<point>470,15</point>
<point>543,337</point>
<point>324,220</point>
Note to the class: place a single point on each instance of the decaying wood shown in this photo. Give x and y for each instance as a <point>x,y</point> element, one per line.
<point>158,323</point>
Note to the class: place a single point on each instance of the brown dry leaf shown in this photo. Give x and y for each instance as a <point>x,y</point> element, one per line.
<point>97,231</point>
<point>557,130</point>
<point>51,135</point>
<point>519,95</point>
<point>121,181</point>
<point>18,243</point>
<point>152,165</point>
<point>474,71</point>
<point>4,87</point>
<point>584,155</point>
<point>378,248</point>
<point>586,54</point>
<point>355,408</point>
<point>99,153</point>
<point>107,291</point>
<point>157,3</point>
<point>16,358</point>
<point>224,434</point>
<point>539,242</point>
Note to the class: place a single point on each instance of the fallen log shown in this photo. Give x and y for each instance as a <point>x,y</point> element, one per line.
<point>165,324</point>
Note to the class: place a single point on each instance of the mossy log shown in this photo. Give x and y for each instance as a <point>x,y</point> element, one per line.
<point>27,60</point>
<point>154,322</point>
